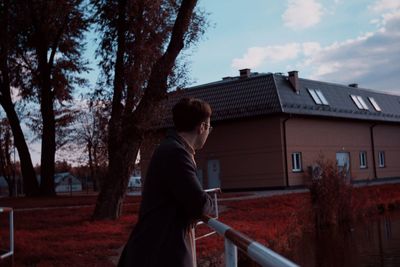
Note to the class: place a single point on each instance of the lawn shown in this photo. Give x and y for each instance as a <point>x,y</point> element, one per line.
<point>58,231</point>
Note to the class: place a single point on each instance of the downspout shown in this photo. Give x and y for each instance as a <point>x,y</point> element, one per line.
<point>371,130</point>
<point>285,150</point>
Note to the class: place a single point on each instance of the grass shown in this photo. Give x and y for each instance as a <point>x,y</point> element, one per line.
<point>56,236</point>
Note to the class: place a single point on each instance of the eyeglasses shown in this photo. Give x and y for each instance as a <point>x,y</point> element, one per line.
<point>209,127</point>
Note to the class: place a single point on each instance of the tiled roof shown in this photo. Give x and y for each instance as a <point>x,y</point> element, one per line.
<point>263,94</point>
<point>232,99</point>
<point>340,103</point>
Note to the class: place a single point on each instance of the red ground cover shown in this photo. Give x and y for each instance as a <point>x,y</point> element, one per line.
<point>67,236</point>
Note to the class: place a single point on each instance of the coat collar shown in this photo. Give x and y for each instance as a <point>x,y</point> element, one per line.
<point>181,140</point>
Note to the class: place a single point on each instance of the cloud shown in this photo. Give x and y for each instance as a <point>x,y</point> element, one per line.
<point>302,14</point>
<point>255,56</point>
<point>372,60</point>
<point>384,5</point>
<point>311,48</point>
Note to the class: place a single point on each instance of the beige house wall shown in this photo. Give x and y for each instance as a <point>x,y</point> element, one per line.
<point>318,137</point>
<point>249,153</point>
<point>387,139</point>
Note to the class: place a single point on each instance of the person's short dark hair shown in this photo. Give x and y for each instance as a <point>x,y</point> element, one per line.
<point>190,112</point>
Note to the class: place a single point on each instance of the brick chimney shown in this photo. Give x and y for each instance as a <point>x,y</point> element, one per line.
<point>355,85</point>
<point>245,73</point>
<point>294,80</point>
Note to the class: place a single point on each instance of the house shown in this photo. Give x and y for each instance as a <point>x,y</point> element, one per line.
<point>66,182</point>
<point>270,129</point>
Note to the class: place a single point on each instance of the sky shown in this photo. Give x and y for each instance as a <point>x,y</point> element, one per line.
<point>338,41</point>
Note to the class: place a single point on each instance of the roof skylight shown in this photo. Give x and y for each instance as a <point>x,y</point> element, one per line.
<point>318,96</point>
<point>359,101</point>
<point>374,104</point>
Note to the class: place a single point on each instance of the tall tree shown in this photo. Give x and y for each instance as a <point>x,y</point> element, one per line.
<point>52,53</point>
<point>140,43</point>
<point>91,133</point>
<point>11,74</point>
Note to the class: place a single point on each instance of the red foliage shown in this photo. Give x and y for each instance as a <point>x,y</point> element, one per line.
<point>67,236</point>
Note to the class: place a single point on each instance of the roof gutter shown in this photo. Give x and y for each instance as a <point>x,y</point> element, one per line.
<point>285,149</point>
<point>371,130</point>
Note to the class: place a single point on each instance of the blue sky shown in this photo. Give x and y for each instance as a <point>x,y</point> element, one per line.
<point>339,41</point>
<point>353,41</point>
<point>331,40</point>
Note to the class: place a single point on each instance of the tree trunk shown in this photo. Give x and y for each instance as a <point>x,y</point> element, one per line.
<point>31,185</point>
<point>49,129</point>
<point>48,146</point>
<point>96,168</point>
<point>110,200</point>
<point>89,148</point>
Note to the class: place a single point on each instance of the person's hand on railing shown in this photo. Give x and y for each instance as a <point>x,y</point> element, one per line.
<point>213,209</point>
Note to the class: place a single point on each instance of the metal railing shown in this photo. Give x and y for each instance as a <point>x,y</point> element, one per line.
<point>10,252</point>
<point>235,239</point>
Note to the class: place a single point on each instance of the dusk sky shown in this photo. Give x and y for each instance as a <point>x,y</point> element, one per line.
<point>337,41</point>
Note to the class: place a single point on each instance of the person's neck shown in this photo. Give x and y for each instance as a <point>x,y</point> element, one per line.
<point>189,138</point>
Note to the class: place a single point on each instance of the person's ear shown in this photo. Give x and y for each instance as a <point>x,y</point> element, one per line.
<point>201,128</point>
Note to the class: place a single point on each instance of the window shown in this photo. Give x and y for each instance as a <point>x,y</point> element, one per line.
<point>322,97</point>
<point>296,162</point>
<point>362,102</point>
<point>359,101</point>
<point>318,96</point>
<point>381,159</point>
<point>374,104</point>
<point>363,160</point>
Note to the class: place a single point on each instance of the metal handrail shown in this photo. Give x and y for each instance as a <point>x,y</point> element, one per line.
<point>235,239</point>
<point>256,251</point>
<point>11,223</point>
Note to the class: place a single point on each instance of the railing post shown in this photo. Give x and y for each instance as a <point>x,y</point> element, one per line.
<point>194,247</point>
<point>230,254</point>
<point>12,231</point>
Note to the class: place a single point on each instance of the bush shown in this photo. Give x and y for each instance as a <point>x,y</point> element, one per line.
<point>331,196</point>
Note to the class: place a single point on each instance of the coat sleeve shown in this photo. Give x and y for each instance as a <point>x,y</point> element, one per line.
<point>186,188</point>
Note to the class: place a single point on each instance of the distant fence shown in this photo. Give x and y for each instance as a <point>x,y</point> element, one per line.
<point>235,239</point>
<point>10,251</point>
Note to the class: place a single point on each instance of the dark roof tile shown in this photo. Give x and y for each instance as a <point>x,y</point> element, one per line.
<point>264,94</point>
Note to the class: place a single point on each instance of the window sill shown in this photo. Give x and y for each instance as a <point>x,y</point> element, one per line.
<point>297,171</point>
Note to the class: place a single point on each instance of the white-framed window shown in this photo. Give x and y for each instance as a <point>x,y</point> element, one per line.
<point>359,101</point>
<point>318,96</point>
<point>296,162</point>
<point>374,104</point>
<point>363,159</point>
<point>381,159</point>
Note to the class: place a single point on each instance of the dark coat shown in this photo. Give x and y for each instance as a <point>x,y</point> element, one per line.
<point>172,200</point>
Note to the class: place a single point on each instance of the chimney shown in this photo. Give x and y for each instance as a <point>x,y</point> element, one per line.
<point>294,80</point>
<point>355,85</point>
<point>245,73</point>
